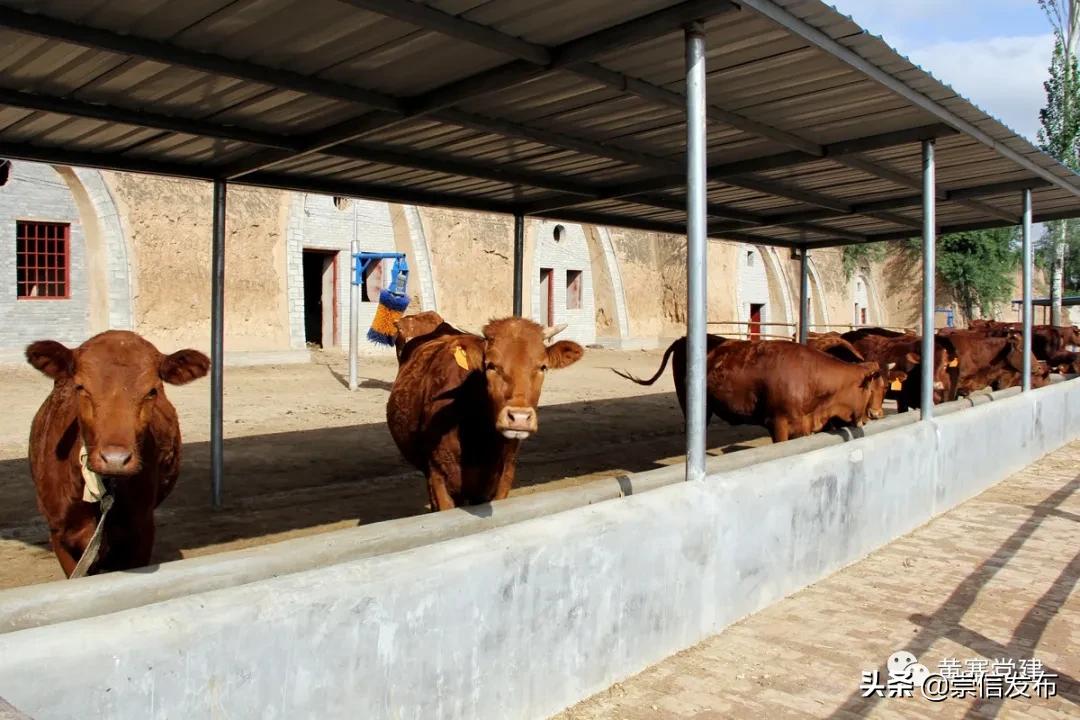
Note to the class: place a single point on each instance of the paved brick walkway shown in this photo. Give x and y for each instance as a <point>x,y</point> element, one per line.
<point>996,577</point>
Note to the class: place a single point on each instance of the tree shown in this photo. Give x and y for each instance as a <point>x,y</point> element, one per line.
<point>861,256</point>
<point>1061,124</point>
<point>977,267</point>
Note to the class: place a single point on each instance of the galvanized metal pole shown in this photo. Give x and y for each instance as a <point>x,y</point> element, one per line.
<point>696,252</point>
<point>519,263</point>
<point>1026,309</point>
<point>926,394</point>
<point>217,345</point>
<point>354,311</point>
<point>804,296</point>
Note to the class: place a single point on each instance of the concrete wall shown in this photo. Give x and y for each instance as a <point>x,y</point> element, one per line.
<point>523,620</point>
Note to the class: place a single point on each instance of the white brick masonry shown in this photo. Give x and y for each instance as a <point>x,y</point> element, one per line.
<point>37,192</point>
<point>569,253</point>
<point>116,249</point>
<point>316,223</point>
<point>752,286</point>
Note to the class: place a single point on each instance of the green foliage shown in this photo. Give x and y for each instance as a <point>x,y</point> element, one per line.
<point>1045,246</point>
<point>861,256</point>
<point>1060,132</point>
<point>977,267</point>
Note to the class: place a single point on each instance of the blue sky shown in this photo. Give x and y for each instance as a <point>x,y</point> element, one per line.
<point>994,52</point>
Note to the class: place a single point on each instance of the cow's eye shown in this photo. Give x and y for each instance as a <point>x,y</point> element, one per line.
<point>79,388</point>
<point>490,367</point>
<point>152,394</point>
<point>543,368</point>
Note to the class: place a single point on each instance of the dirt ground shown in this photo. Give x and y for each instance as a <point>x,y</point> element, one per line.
<point>303,455</point>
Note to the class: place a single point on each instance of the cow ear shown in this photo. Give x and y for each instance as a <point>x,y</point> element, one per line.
<point>51,358</point>
<point>912,359</point>
<point>563,353</point>
<point>871,374</point>
<point>183,366</point>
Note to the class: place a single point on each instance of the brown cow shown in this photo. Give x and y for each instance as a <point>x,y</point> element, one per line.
<point>1046,340</point>
<point>904,352</point>
<point>413,330</point>
<point>994,362</point>
<point>791,389</point>
<point>1065,362</point>
<point>836,346</point>
<point>108,399</point>
<point>462,404</point>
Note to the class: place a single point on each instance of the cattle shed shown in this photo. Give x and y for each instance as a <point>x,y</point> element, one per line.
<point>776,122</point>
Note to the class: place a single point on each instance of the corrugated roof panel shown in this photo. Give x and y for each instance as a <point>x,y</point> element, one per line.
<point>595,135</point>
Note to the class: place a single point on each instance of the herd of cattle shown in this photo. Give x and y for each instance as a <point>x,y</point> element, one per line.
<point>107,438</point>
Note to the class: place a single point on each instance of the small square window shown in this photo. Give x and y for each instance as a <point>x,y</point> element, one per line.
<point>573,289</point>
<point>42,259</point>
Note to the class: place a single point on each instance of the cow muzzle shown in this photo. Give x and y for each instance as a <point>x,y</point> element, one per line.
<point>114,460</point>
<point>516,423</point>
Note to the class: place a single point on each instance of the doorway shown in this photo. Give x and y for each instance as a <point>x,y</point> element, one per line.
<point>320,298</point>
<point>547,297</point>
<point>754,330</point>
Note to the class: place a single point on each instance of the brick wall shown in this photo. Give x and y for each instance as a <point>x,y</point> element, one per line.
<point>316,223</point>
<point>571,252</point>
<point>37,192</point>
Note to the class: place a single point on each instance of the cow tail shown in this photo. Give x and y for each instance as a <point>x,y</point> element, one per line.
<point>654,378</point>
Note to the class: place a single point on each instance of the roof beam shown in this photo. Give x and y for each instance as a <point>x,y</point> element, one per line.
<point>438,102</point>
<point>102,161</point>
<point>141,118</point>
<point>910,181</point>
<point>137,47</point>
<point>832,47</point>
<point>364,153</point>
<point>670,98</point>
<point>944,230</point>
<point>675,177</point>
<point>428,18</point>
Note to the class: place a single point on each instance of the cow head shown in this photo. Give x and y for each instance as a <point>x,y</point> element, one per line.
<point>874,385</point>
<point>117,378</point>
<point>513,356</point>
<point>411,327</point>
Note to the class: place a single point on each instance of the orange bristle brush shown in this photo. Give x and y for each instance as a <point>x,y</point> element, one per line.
<point>393,302</point>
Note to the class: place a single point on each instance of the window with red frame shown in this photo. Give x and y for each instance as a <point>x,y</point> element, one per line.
<point>42,254</point>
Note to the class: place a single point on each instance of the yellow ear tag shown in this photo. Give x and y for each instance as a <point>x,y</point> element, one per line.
<point>954,362</point>
<point>896,385</point>
<point>459,357</point>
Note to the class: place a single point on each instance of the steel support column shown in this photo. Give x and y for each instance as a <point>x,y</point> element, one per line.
<point>354,309</point>
<point>519,263</point>
<point>926,391</point>
<point>696,251</point>
<point>804,296</point>
<point>1026,310</point>
<point>217,344</point>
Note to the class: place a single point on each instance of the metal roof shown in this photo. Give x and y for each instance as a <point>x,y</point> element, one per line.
<point>569,109</point>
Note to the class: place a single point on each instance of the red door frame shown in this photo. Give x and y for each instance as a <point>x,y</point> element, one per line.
<point>754,329</point>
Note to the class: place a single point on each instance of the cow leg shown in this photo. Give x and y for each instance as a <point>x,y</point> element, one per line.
<point>780,430</point>
<point>440,495</point>
<point>69,543</point>
<point>131,544</point>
